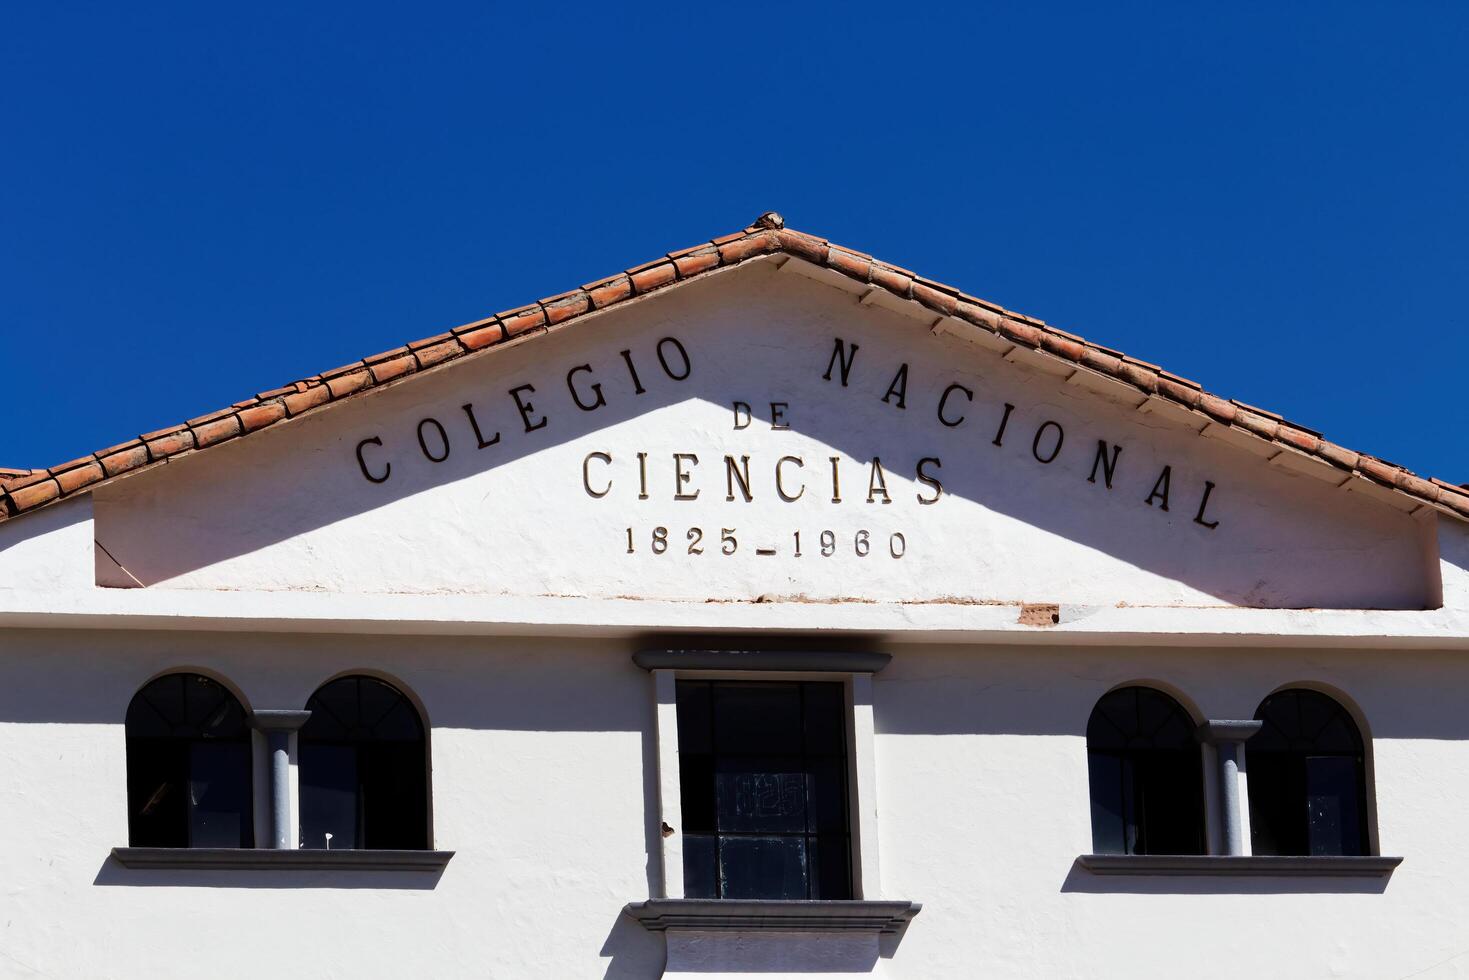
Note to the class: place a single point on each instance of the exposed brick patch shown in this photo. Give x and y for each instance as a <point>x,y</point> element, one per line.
<point>1039,614</point>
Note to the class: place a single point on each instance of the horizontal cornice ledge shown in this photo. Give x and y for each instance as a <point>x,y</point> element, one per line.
<point>1257,865</point>
<point>758,915</point>
<point>268,859</point>
<point>845,662</point>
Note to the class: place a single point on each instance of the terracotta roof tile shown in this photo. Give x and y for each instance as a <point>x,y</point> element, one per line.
<point>23,490</point>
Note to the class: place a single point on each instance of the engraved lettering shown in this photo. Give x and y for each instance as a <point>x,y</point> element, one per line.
<point>841,357</point>
<point>586,477</point>
<point>877,483</point>
<point>683,355</point>
<point>1004,421</point>
<point>527,409</point>
<point>1160,488</point>
<point>780,483</point>
<point>929,481</point>
<point>1203,504</point>
<point>944,400</point>
<point>443,440</point>
<point>899,387</point>
<point>474,424</point>
<point>1035,445</point>
<point>737,474</point>
<point>681,478</point>
<point>1109,466</point>
<point>576,396</point>
<point>387,467</point>
<point>632,372</point>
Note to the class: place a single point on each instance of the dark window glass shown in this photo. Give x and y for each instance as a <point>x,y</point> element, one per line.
<point>1146,775</point>
<point>188,760</point>
<point>1307,777</point>
<point>763,780</point>
<point>364,768</point>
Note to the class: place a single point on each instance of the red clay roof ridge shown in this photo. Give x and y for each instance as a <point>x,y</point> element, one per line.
<point>22,491</point>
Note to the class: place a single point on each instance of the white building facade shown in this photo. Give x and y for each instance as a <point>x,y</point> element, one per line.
<point>762,610</point>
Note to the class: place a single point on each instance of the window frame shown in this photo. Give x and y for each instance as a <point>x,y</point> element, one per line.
<point>861,774</point>
<point>249,831</point>
<point>1205,795</point>
<point>297,739</point>
<point>1367,789</point>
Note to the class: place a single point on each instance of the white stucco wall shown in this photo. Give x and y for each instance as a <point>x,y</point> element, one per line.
<point>289,509</point>
<point>543,785</point>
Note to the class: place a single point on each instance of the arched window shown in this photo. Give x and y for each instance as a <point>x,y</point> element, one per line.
<point>188,759</point>
<point>1307,777</point>
<point>1146,775</point>
<point>364,768</point>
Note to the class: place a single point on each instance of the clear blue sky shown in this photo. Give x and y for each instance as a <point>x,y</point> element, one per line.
<point>199,201</point>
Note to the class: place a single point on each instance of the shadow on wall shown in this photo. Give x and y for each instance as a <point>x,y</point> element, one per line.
<point>1080,880</point>
<point>791,326</point>
<point>633,952</point>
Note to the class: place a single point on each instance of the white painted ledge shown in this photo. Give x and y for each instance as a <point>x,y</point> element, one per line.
<point>746,915</point>
<point>322,612</point>
<point>1260,865</point>
<point>266,859</point>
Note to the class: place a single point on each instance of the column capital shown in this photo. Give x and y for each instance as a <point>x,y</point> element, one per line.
<point>1214,731</point>
<point>278,720</point>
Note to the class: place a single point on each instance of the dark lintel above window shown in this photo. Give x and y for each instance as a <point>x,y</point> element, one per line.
<point>784,660</point>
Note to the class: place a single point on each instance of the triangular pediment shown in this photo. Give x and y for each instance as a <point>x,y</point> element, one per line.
<point>766,434</point>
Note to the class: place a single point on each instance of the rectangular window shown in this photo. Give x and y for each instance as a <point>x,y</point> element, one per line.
<point>763,777</point>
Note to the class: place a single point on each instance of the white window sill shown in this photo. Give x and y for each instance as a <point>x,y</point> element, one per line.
<point>1259,866</point>
<point>266,859</point>
<point>747,915</point>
